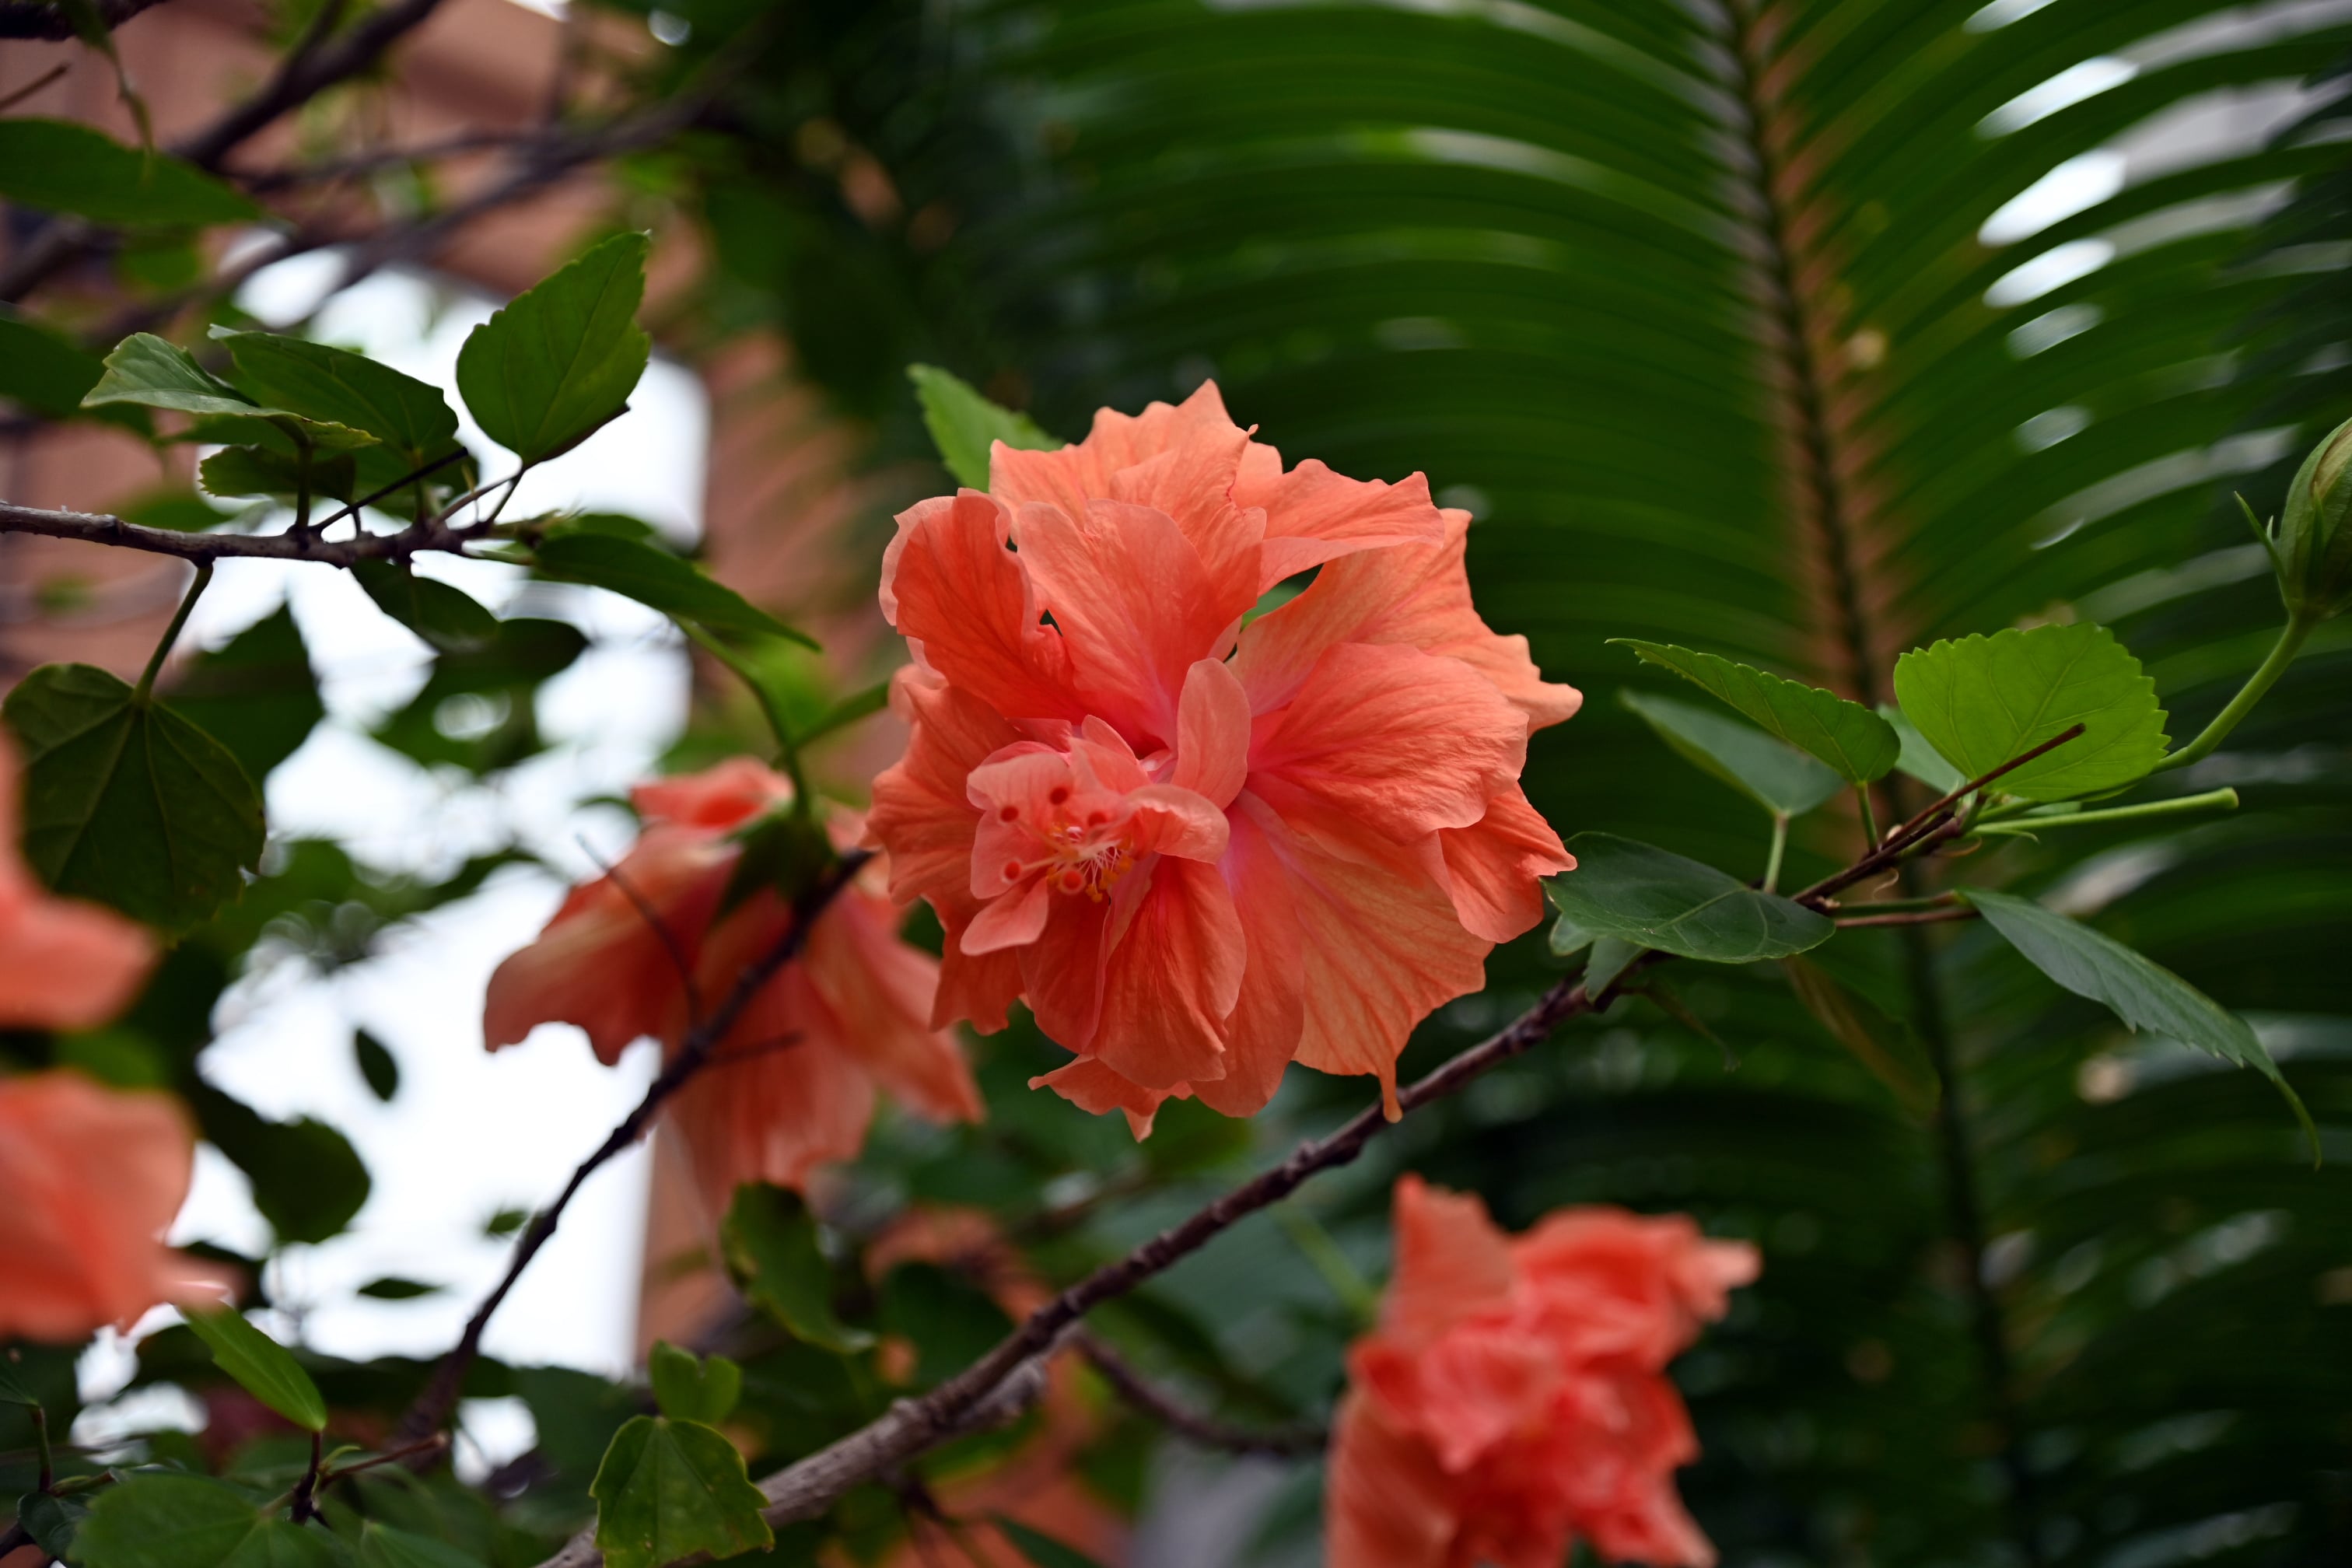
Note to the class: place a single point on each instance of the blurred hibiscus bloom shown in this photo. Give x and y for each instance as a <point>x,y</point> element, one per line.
<point>791,1085</point>
<point>1199,850</point>
<point>94,1177</point>
<point>1515,1397</point>
<point>64,964</point>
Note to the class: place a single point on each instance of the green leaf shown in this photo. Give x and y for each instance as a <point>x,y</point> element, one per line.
<point>559,361</point>
<point>1847,736</point>
<point>411,418</point>
<point>505,1222</point>
<point>1888,1046</point>
<point>261,1366</point>
<point>392,1288</point>
<point>42,371</point>
<point>668,1489</point>
<point>2137,990</point>
<point>847,711</point>
<point>1777,776</point>
<point>53,1522</point>
<point>128,802</point>
<point>151,373</point>
<point>771,1243</point>
<point>159,1521</point>
<point>1981,700</point>
<point>964,426</point>
<point>528,651</point>
<point>307,1180</point>
<point>55,165</point>
<point>381,1546</point>
<point>260,471</point>
<point>1041,1549</point>
<point>12,1386</point>
<point>691,1389</point>
<point>656,578</point>
<point>1920,759</point>
<point>177,510</point>
<point>255,694</point>
<point>1648,897</point>
<point>1611,957</point>
<point>448,618</point>
<point>376,1065</point>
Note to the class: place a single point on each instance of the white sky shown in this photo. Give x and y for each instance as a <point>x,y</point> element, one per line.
<point>469,1133</point>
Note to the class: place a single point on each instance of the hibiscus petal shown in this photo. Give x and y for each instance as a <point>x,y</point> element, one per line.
<point>1172,979</point>
<point>921,811</point>
<point>1062,971</point>
<point>1172,820</point>
<point>1390,1505</point>
<point>1412,595</point>
<point>1212,732</point>
<point>1452,1260</point>
<point>1491,867</point>
<point>1016,920</point>
<point>723,797</point>
<point>1313,515</point>
<point>1070,475</point>
<point>1390,741</point>
<point>1136,603</point>
<point>1381,949</point>
<point>966,602</point>
<point>65,964</point>
<point>1096,1089</point>
<point>879,989</point>
<point>1270,1014</point>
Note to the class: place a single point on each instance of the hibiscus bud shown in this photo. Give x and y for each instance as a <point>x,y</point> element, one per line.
<point>2315,536</point>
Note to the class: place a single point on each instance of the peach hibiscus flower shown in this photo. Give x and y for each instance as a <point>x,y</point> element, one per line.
<point>64,964</point>
<point>792,1085</point>
<point>93,1178</point>
<point>1200,851</point>
<point>1514,1396</point>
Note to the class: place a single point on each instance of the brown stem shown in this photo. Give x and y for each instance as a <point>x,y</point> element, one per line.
<point>305,1505</point>
<point>1907,917</point>
<point>1172,1412</point>
<point>433,1405</point>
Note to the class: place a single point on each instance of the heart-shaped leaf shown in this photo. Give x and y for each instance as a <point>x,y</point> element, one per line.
<point>1651,898</point>
<point>382,1546</point>
<point>1848,737</point>
<point>688,1388</point>
<point>128,802</point>
<point>669,1489</point>
<point>1981,700</point>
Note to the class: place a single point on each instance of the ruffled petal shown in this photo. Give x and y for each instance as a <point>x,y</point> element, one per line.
<point>880,990</point>
<point>1096,1089</point>
<point>965,603</point>
<point>1390,742</point>
<point>1313,515</point>
<point>1212,732</point>
<point>601,963</point>
<point>1382,950</point>
<point>1491,868</point>
<point>1136,605</point>
<point>66,965</point>
<point>1270,1014</point>
<point>1411,595</point>
<point>1452,1260</point>
<point>1388,1504</point>
<point>1172,979</point>
<point>1062,971</point>
<point>1015,919</point>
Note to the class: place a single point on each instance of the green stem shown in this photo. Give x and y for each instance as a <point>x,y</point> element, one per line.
<point>48,1473</point>
<point>2213,799</point>
<point>2283,652</point>
<point>1354,1291</point>
<point>788,752</point>
<point>1869,817</point>
<point>171,632</point>
<point>1779,847</point>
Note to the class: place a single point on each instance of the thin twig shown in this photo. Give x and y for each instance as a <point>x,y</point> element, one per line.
<point>305,1503</point>
<point>1131,1384</point>
<point>1908,916</point>
<point>440,1396</point>
<point>34,86</point>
